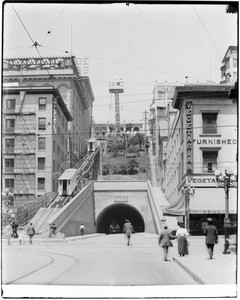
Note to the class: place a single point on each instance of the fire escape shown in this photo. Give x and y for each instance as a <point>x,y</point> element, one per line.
<point>26,170</point>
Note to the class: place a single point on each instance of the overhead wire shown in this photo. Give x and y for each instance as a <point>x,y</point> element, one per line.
<point>207,32</point>
<point>125,64</point>
<point>50,30</point>
<point>35,44</point>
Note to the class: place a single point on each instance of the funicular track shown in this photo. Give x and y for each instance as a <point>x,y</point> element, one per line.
<point>84,175</point>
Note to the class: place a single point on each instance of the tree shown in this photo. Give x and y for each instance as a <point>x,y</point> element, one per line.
<point>140,139</point>
<point>123,169</point>
<point>132,166</point>
<point>106,169</point>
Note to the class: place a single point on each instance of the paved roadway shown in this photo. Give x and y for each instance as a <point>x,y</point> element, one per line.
<point>104,260</point>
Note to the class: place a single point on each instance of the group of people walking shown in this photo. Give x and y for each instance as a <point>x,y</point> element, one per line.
<point>210,231</point>
<point>12,230</point>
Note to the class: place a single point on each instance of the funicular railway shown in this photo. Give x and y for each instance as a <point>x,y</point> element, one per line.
<point>70,183</point>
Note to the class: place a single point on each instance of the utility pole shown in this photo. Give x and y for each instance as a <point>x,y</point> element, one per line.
<point>145,116</point>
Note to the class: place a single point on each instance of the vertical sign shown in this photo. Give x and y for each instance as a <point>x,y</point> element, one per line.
<point>189,137</point>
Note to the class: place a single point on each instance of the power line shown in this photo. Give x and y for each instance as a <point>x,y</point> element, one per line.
<point>22,24</point>
<point>49,31</point>
<point>207,32</point>
<point>42,134</point>
<point>125,64</point>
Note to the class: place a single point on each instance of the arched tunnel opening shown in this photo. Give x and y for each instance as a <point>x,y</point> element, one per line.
<point>118,213</point>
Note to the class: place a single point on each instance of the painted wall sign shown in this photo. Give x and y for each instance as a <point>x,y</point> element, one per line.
<point>215,141</point>
<point>201,181</point>
<point>189,137</point>
<point>212,212</point>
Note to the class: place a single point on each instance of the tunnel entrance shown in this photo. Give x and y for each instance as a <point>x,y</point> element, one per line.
<point>118,213</point>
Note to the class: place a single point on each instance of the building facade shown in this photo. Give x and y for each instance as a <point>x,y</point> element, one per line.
<point>63,74</point>
<point>229,66</point>
<point>161,118</point>
<point>34,140</point>
<point>203,139</point>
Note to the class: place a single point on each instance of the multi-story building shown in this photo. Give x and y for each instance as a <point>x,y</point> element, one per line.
<point>203,138</point>
<point>161,118</point>
<point>63,74</point>
<point>229,66</point>
<point>34,139</point>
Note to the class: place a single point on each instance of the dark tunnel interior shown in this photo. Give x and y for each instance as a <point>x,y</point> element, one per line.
<point>118,213</point>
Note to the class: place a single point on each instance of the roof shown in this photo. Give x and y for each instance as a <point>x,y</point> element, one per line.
<point>40,90</point>
<point>199,90</point>
<point>68,174</point>
<point>92,140</point>
<point>231,49</point>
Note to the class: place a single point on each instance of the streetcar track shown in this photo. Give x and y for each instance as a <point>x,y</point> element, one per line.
<point>48,264</point>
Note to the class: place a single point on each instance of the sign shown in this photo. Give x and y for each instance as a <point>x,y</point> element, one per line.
<point>212,212</point>
<point>83,66</point>
<point>120,198</point>
<point>215,141</point>
<point>202,181</point>
<point>189,137</point>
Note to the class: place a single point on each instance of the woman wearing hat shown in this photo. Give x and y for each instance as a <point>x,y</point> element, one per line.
<point>182,235</point>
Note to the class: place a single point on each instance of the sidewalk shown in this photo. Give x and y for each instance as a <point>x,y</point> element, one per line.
<point>219,270</point>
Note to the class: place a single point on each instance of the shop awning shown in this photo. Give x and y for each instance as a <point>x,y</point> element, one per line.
<point>205,201</point>
<point>176,208</point>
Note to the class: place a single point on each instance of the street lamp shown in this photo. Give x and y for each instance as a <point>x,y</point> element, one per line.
<point>147,146</point>
<point>188,191</point>
<point>226,181</point>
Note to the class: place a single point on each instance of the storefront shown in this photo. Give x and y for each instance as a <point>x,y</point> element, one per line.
<point>207,201</point>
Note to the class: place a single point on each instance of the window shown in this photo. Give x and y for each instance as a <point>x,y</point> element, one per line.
<point>9,164</point>
<point>10,103</point>
<point>10,124</point>
<point>41,123</point>
<point>42,103</point>
<point>234,62</point>
<point>54,146</point>
<point>209,123</point>
<point>41,184</point>
<point>209,161</point>
<point>9,144</point>
<point>9,183</point>
<point>41,163</point>
<point>41,143</point>
<point>182,166</point>
<point>181,130</point>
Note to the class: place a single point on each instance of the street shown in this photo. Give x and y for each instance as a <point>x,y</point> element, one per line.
<point>104,260</point>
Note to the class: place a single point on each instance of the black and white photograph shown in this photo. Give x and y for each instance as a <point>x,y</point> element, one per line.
<point>119,150</point>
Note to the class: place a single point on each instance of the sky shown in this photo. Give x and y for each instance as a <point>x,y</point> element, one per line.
<point>139,44</point>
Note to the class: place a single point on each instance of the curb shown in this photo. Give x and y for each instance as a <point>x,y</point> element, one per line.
<point>192,274</point>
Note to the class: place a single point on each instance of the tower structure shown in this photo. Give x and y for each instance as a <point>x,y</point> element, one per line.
<point>116,87</point>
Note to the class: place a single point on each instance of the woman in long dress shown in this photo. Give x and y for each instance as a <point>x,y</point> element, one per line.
<point>182,235</point>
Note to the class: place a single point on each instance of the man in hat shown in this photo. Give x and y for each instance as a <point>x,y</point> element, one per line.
<point>165,240</point>
<point>128,229</point>
<point>211,236</point>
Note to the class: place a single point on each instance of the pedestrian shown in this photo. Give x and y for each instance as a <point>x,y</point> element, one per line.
<point>21,235</point>
<point>7,231</point>
<point>181,235</point>
<point>128,230</point>
<point>165,240</point>
<point>82,229</point>
<point>14,229</point>
<point>211,234</point>
<point>53,229</point>
<point>114,228</point>
<point>31,232</point>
